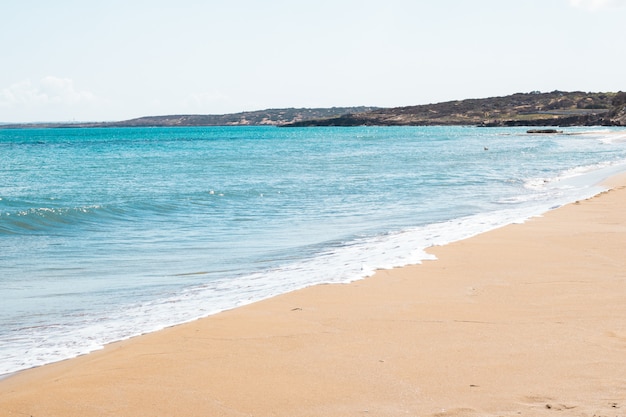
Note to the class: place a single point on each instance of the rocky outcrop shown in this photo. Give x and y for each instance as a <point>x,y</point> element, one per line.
<point>543,131</point>
<point>557,108</point>
<point>617,115</point>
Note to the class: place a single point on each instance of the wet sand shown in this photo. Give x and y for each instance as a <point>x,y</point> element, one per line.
<point>526,320</point>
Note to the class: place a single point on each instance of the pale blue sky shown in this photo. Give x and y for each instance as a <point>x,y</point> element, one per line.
<point>84,60</point>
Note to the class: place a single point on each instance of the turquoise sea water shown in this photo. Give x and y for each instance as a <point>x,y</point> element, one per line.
<point>110,233</point>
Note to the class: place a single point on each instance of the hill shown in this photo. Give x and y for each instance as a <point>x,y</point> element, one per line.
<point>252,118</point>
<point>556,108</point>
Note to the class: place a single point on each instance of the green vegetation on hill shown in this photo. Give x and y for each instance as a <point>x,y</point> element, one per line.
<point>252,118</point>
<point>556,108</point>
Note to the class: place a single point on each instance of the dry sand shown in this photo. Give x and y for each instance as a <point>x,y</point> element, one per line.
<point>525,320</point>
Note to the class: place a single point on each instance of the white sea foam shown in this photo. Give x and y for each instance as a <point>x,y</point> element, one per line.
<point>420,169</point>
<point>610,136</point>
<point>343,263</point>
<point>576,178</point>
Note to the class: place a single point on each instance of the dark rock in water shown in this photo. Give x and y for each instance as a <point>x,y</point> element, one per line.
<point>544,131</point>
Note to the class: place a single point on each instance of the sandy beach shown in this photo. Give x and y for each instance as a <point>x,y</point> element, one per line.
<point>526,320</point>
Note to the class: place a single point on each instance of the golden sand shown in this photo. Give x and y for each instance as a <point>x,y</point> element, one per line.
<point>526,320</point>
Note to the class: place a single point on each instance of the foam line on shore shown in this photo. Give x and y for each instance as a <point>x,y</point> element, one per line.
<point>525,319</point>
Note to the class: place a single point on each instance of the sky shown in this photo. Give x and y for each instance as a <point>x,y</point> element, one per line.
<point>87,60</point>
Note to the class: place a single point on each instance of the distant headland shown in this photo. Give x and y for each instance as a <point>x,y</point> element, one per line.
<point>556,108</point>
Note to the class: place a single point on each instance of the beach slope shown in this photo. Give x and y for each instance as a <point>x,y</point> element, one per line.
<point>526,320</point>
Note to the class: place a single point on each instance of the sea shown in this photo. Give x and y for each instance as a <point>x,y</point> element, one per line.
<point>109,233</point>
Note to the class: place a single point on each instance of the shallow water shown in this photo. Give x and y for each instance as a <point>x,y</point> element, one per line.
<point>110,233</point>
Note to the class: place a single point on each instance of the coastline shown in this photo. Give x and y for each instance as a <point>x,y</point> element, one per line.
<point>522,320</point>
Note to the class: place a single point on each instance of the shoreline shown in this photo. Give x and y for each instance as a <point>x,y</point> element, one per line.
<point>391,248</point>
<point>510,333</point>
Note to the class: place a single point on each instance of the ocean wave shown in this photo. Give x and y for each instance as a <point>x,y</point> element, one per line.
<point>575,177</point>
<point>334,262</point>
<point>52,216</point>
<point>605,136</point>
<point>150,229</point>
<point>35,220</point>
